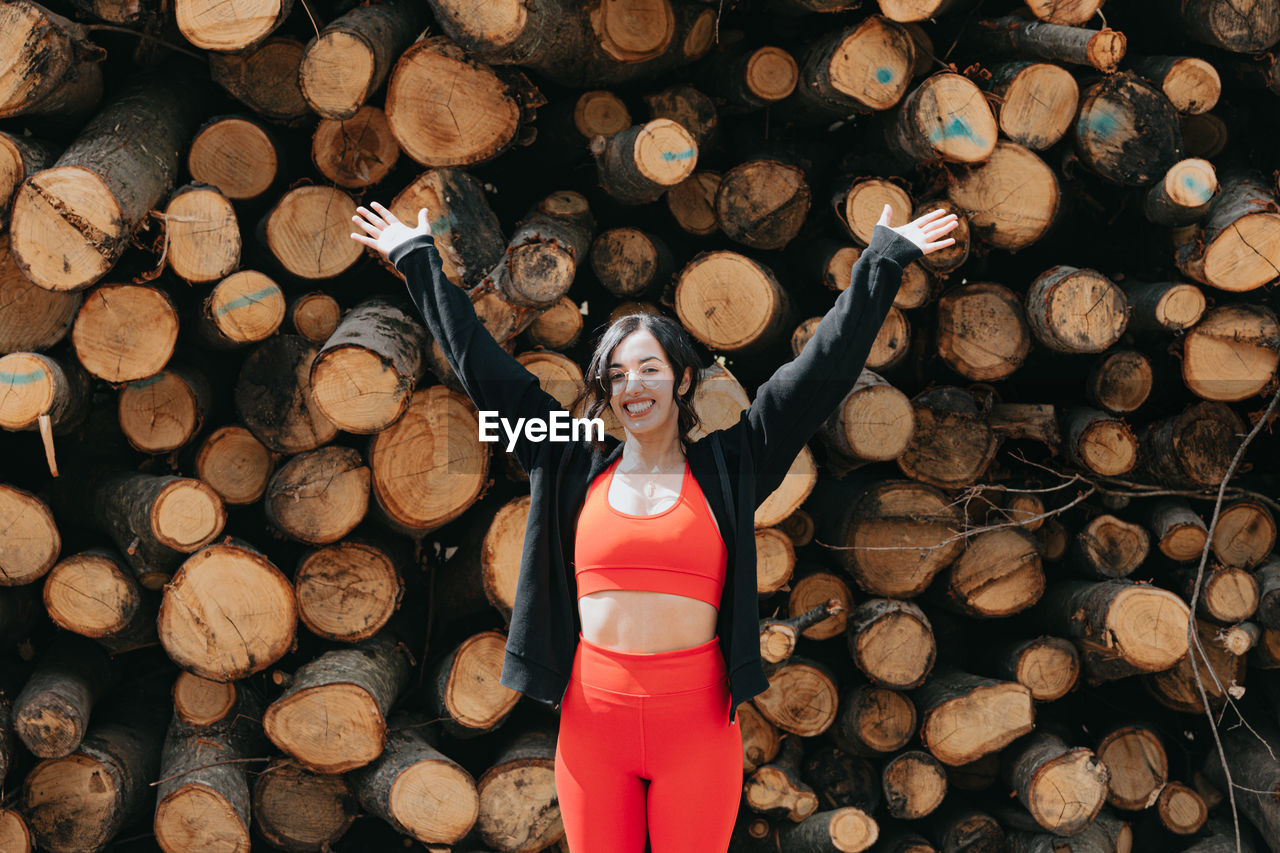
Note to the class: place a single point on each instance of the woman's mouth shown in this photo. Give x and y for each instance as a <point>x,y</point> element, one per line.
<point>637,408</point>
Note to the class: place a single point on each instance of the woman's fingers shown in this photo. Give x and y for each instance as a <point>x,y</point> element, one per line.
<point>371,216</point>
<point>390,217</point>
<point>360,238</point>
<point>930,216</point>
<point>372,229</point>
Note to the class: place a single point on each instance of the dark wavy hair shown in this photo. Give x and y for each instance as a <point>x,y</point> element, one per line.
<point>680,352</point>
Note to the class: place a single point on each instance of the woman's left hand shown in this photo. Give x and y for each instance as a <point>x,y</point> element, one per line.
<point>925,231</point>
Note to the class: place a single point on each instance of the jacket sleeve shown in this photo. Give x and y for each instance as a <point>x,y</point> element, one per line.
<point>491,377</point>
<point>792,403</point>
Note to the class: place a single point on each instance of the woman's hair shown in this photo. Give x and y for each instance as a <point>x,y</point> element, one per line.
<point>680,353</point>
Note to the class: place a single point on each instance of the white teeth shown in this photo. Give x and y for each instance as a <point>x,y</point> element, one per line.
<point>640,408</point>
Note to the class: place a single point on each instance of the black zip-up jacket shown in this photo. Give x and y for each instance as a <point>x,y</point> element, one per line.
<point>736,467</point>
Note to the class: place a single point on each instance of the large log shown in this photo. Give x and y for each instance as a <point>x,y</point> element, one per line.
<point>30,542</point>
<point>1038,101</point>
<point>301,811</point>
<point>49,66</point>
<point>891,642</point>
<point>944,118</point>
<point>964,717</point>
<point>209,25</point>
<point>1062,787</point>
<point>125,332</point>
<point>858,69</point>
<point>97,594</point>
<point>319,496</point>
<point>1005,219</point>
<point>1230,355</point>
<point>52,712</point>
<point>264,79</point>
<point>238,154</point>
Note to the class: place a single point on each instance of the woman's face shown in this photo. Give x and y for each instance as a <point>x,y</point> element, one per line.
<point>636,362</point>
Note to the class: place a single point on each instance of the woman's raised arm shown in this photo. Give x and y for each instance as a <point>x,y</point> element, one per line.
<point>792,403</point>
<point>493,380</point>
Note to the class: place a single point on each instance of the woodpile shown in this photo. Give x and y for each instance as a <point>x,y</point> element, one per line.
<point>256,566</point>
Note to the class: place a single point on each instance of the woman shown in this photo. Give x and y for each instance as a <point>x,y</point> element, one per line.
<point>651,643</point>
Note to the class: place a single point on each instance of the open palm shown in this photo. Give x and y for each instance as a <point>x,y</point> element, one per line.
<point>925,231</point>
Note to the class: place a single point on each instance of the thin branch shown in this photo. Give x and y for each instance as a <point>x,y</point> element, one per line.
<point>142,35</point>
<point>206,767</point>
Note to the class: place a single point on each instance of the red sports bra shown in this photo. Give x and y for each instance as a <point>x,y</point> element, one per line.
<point>678,550</point>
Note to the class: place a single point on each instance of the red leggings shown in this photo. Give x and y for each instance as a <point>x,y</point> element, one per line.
<point>646,747</point>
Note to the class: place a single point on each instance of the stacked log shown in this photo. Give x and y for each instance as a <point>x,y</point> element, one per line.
<point>257,567</point>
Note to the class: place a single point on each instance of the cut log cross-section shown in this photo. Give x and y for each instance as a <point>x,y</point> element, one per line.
<point>642,162</point>
<point>944,118</point>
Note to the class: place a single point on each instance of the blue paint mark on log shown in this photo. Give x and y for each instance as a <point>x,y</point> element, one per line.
<point>952,129</point>
<point>1202,192</point>
<point>1098,122</point>
<point>21,378</point>
<point>884,75</point>
<point>242,301</point>
<point>678,155</point>
<point>143,383</point>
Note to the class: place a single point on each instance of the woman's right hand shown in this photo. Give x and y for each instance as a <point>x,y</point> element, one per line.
<point>385,229</point>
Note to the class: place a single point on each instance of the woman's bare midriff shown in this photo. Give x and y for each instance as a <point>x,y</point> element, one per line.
<point>633,620</point>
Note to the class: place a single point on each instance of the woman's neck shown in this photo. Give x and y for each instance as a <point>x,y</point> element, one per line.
<point>656,454</point>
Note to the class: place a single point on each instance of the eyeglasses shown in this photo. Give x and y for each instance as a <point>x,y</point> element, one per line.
<point>651,376</point>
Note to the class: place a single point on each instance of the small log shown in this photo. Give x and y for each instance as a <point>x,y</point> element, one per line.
<point>332,717</point>
<point>1037,101</point>
<point>164,412</point>
<point>859,202</point>
<point>227,613</point>
<point>154,520</point>
<point>125,332</point>
<point>234,464</point>
<point>891,642</point>
<point>298,810</point>
<point>998,574</point>
<point>351,57</point>
<point>1232,249</point>
<point>775,560</point>
<point>1268,577</point>
<point>1120,381</point>
<point>1192,448</point>
<point>951,702</point>
<point>307,232</point>
<point>82,800</point>
<point>778,637</point>
<point>363,376</point>
<point>952,444</point>
<point>96,594</point>
<point>753,306</point>
<point>1047,666</point>
<point>237,154</point>
<point>874,423</point>
<point>200,702</point>
<point>1099,442</point>
<point>314,316</point>
<point>51,713</point>
<point>760,739</point>
<point>30,541</point>
<point>762,203</point>
<point>749,79</point>
<point>944,118</point>
<point>840,779</point>
<point>1005,220</point>
<point>1177,530</point>
<point>884,517</point>
<point>858,69</point>
<point>845,829</point>
<point>319,496</point>
<point>51,67</point>
<point>629,262</point>
<point>545,251</point>
<point>777,789</point>
<point>202,801</point>
<point>914,784</point>
<point>416,788</point>
<point>1139,766</point>
<point>497,106</point>
<point>1184,194</point>
<point>1231,354</point>
<point>1062,787</point>
<point>982,331</point>
<point>1108,547</point>
<point>557,328</point>
<point>209,27</point>
<point>447,477</point>
<point>464,689</point>
<point>1101,49</point>
<point>1220,671</point>
<point>1121,627</point>
<point>265,79</point>
<point>799,528</point>
<point>202,234</point>
<point>1190,83</point>
<point>692,203</point>
<point>1251,29</point>
<point>802,696</point>
<point>1227,594</point>
<point>1163,306</point>
<point>243,308</point>
<point>355,152</point>
<point>32,318</point>
<point>349,590</point>
<point>642,162</point>
<point>465,229</point>
<point>813,587</point>
<point>273,396</point>
<point>1062,295</point>
<point>1181,810</point>
<point>1241,638</point>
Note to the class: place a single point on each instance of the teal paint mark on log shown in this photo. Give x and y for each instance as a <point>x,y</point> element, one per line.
<point>952,129</point>
<point>678,155</point>
<point>21,378</point>
<point>242,301</point>
<point>1099,122</point>
<point>884,75</point>
<point>1202,191</point>
<point>143,383</point>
